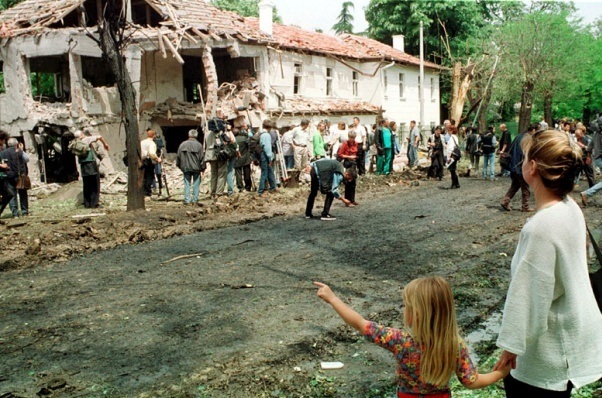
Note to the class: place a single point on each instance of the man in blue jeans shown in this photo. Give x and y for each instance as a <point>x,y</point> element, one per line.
<point>190,161</point>
<point>488,143</point>
<point>595,147</point>
<point>266,157</point>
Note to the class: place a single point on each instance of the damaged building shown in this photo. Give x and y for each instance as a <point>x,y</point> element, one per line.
<point>183,54</point>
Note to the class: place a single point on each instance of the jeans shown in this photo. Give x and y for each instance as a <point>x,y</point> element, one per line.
<point>592,191</point>
<point>195,177</point>
<point>488,165</point>
<point>267,173</point>
<point>230,176</point>
<point>412,155</point>
<point>7,191</point>
<point>289,160</point>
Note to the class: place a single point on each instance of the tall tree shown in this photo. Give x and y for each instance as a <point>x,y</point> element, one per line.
<point>113,43</point>
<point>246,8</point>
<point>345,21</point>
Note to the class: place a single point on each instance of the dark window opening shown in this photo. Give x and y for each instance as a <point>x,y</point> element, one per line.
<point>230,69</point>
<point>57,163</point>
<point>49,77</point>
<point>173,136</point>
<point>96,72</point>
<point>2,87</point>
<point>88,14</point>
<point>192,73</point>
<point>297,78</point>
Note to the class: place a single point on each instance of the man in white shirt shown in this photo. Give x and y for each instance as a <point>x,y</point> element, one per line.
<point>413,142</point>
<point>361,138</point>
<point>301,145</point>
<point>148,151</point>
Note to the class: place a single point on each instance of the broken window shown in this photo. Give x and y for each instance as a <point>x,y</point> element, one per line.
<point>432,88</point>
<point>175,135</point>
<point>355,83</point>
<point>329,77</point>
<point>386,85</point>
<point>96,72</point>
<point>230,69</point>
<point>297,80</point>
<point>49,77</point>
<point>2,88</point>
<point>192,73</point>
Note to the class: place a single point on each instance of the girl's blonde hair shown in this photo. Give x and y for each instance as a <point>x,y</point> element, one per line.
<point>431,316</point>
<point>557,159</point>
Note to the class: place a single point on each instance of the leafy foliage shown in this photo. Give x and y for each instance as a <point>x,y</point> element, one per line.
<point>345,21</point>
<point>246,8</point>
<point>5,4</point>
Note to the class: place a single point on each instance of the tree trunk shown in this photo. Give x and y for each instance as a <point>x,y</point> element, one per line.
<point>109,46</point>
<point>460,87</point>
<point>548,100</point>
<point>526,106</point>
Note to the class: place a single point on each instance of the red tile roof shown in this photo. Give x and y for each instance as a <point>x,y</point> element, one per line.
<point>299,105</point>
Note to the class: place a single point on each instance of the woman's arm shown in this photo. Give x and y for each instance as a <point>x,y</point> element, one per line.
<point>350,317</point>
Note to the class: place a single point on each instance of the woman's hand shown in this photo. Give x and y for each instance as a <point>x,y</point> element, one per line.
<point>324,292</point>
<point>507,360</point>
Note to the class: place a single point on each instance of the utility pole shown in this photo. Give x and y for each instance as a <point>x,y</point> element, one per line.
<point>421,88</point>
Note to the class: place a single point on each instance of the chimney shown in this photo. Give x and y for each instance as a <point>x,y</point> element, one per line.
<point>266,9</point>
<point>399,43</point>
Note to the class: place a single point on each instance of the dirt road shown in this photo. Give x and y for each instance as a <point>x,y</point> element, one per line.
<point>241,318</point>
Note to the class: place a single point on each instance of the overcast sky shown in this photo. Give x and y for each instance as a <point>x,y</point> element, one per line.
<point>313,14</point>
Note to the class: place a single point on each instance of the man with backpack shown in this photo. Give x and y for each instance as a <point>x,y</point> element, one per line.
<point>82,148</point>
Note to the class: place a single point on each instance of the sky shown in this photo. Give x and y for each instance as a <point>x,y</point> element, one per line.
<point>313,14</point>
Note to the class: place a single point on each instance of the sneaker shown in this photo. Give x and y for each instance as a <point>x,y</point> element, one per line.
<point>584,199</point>
<point>328,217</point>
<point>309,217</point>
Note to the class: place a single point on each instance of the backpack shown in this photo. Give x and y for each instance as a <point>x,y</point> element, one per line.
<point>255,147</point>
<point>225,149</point>
<point>79,148</point>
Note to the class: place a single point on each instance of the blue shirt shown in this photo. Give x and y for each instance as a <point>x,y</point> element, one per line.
<point>266,142</point>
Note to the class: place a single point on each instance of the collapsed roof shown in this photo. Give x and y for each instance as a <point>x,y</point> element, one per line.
<point>191,20</point>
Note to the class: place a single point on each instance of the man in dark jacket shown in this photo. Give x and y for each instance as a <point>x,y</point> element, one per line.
<point>190,161</point>
<point>516,173</point>
<point>242,164</point>
<point>17,166</point>
<point>5,188</point>
<point>326,176</point>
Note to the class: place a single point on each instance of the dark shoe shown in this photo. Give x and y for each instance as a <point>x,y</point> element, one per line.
<point>328,217</point>
<point>584,199</point>
<point>355,203</point>
<point>505,206</point>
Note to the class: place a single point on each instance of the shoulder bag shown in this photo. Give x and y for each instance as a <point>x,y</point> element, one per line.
<point>23,181</point>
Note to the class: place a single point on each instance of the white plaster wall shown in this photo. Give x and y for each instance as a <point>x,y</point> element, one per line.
<point>160,78</point>
<point>405,108</point>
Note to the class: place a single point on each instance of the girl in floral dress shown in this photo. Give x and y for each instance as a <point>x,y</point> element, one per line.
<point>428,350</point>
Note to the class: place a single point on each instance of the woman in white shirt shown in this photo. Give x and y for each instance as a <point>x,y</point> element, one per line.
<point>452,163</point>
<point>551,326</point>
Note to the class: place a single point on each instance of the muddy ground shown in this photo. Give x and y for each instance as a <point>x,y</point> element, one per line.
<point>102,305</point>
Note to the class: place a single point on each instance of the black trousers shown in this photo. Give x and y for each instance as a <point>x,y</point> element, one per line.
<point>315,187</point>
<point>454,176</point>
<point>7,192</point>
<point>91,190</point>
<point>243,172</point>
<point>149,178</point>
<point>361,161</point>
<point>518,389</point>
<point>350,190</point>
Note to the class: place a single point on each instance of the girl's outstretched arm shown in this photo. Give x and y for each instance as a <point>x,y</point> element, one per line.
<point>351,317</point>
<point>486,379</point>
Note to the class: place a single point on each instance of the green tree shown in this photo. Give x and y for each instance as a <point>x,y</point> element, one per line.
<point>5,4</point>
<point>345,21</point>
<point>246,8</point>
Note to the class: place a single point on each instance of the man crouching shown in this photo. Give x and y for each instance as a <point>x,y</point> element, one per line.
<point>326,176</point>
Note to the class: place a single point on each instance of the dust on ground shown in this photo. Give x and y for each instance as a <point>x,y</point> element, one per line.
<point>217,300</point>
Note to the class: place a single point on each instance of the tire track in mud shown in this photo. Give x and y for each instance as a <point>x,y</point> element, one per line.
<point>121,322</point>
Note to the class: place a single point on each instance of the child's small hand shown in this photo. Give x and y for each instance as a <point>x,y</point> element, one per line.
<point>324,292</point>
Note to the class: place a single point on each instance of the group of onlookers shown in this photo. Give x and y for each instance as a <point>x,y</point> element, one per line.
<point>13,169</point>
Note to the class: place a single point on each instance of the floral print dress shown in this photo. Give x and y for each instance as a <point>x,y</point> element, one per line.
<point>407,355</point>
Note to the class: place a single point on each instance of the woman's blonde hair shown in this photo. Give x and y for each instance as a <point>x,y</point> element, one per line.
<point>431,316</point>
<point>557,159</point>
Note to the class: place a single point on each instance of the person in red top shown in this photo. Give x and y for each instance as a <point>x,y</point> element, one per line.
<point>348,154</point>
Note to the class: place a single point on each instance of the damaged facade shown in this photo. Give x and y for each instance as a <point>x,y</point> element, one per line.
<point>182,52</point>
